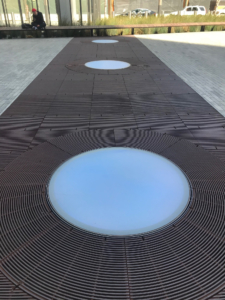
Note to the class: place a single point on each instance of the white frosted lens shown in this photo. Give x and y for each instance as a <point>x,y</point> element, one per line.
<point>119,191</point>
<point>105,41</point>
<point>107,64</point>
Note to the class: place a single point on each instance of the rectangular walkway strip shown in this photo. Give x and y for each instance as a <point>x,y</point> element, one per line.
<point>60,100</point>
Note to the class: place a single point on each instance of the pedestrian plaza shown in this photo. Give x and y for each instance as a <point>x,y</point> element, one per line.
<point>112,167</point>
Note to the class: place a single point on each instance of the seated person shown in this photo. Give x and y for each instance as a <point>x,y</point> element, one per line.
<point>38,20</point>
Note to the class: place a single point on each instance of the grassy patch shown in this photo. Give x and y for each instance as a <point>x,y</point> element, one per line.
<point>122,20</point>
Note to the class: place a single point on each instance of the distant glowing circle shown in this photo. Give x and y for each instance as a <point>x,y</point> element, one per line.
<point>105,41</point>
<point>107,64</point>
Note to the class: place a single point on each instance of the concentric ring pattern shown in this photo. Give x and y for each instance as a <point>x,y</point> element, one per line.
<point>49,259</point>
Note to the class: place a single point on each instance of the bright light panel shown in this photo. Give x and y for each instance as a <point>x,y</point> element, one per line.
<point>119,191</point>
<point>105,41</point>
<point>107,64</point>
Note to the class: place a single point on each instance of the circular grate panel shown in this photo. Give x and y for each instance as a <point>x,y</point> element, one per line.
<point>119,191</point>
<point>132,65</point>
<point>50,259</point>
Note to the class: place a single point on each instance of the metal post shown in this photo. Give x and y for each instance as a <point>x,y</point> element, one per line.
<point>146,14</point>
<point>46,33</point>
<point>129,14</point>
<point>49,13</point>
<point>92,11</point>
<point>13,19</point>
<point>105,8</point>
<point>71,14</point>
<point>46,12</point>
<point>99,9</point>
<point>7,23</point>
<point>1,19</point>
<point>81,19</point>
<point>89,12</point>
<point>58,11</point>
<point>113,8</point>
<point>159,7</point>
<point>109,9</point>
<point>21,14</point>
<point>202,28</point>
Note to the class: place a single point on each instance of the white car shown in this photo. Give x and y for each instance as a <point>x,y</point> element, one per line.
<point>139,12</point>
<point>190,10</point>
<point>220,11</point>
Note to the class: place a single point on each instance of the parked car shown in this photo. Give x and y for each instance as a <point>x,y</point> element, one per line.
<point>139,12</point>
<point>220,11</point>
<point>190,10</point>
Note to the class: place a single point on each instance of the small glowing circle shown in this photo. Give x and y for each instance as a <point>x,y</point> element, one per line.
<point>107,64</point>
<point>105,41</point>
<point>119,191</point>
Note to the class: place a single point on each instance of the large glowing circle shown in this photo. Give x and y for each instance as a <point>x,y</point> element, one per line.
<point>119,191</point>
<point>107,64</point>
<point>105,41</point>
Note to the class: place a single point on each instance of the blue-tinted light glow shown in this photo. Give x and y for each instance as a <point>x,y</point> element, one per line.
<point>119,191</point>
<point>105,41</point>
<point>107,64</point>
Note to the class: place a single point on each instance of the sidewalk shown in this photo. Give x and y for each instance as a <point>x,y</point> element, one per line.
<point>198,58</point>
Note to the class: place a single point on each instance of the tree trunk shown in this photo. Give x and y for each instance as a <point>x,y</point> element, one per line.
<point>217,4</point>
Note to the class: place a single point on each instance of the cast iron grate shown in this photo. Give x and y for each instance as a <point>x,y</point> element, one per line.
<point>49,259</point>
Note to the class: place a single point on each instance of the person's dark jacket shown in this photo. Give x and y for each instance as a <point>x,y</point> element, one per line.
<point>38,19</point>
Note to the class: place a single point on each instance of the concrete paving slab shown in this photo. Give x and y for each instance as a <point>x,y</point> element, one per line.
<point>21,62</point>
<point>198,58</point>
